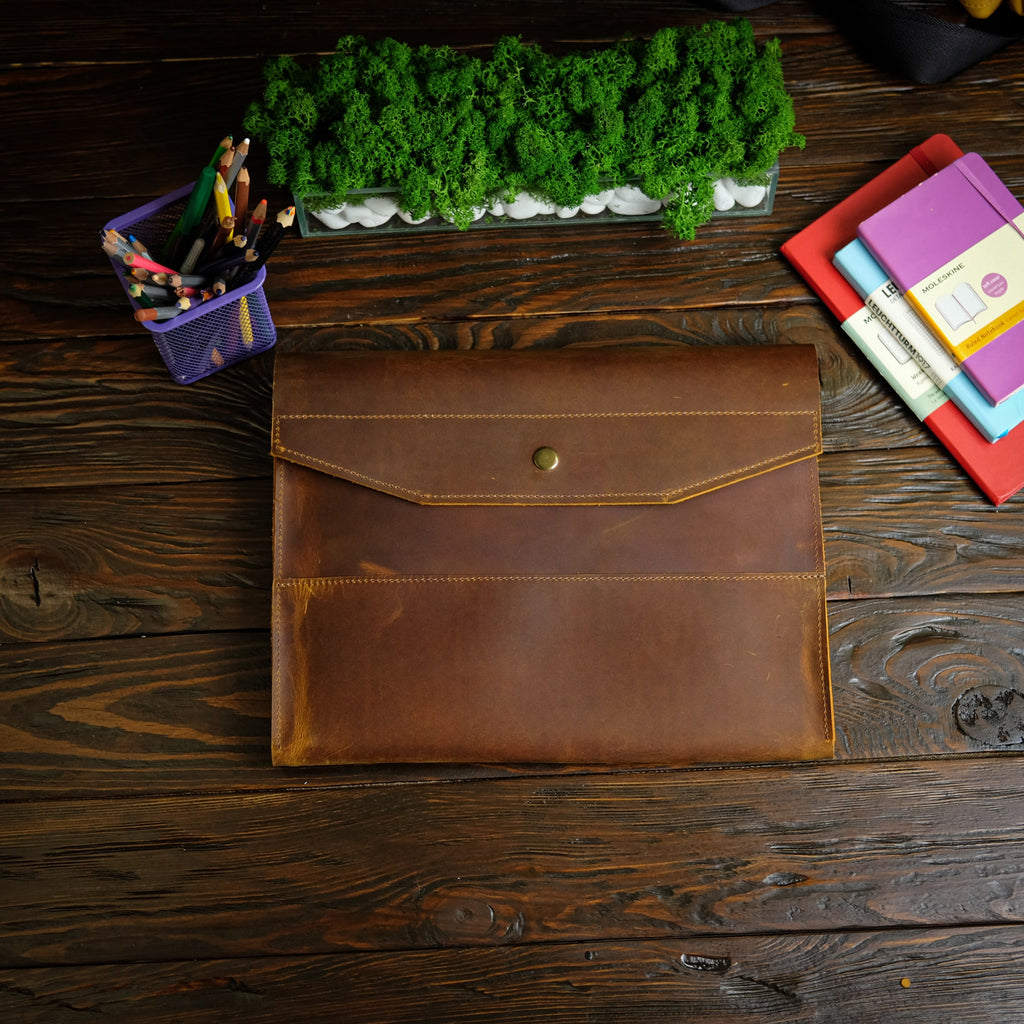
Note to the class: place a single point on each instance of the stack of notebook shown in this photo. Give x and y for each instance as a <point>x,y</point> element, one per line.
<point>924,268</point>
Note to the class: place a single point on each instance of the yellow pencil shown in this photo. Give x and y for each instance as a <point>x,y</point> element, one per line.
<point>245,321</point>
<point>220,198</point>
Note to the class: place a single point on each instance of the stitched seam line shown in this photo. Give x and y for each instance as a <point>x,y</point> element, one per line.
<point>411,492</point>
<point>330,581</point>
<point>637,414</point>
<point>399,489</point>
<point>824,669</point>
<point>275,606</point>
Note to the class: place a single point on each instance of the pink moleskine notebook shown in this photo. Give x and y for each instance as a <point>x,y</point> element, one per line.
<point>998,469</point>
<point>955,247</point>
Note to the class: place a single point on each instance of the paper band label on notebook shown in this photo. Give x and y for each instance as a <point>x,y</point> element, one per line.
<point>912,333</point>
<point>974,298</point>
<point>892,360</point>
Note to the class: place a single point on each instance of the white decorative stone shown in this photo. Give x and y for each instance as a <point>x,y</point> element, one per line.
<point>723,198</point>
<point>410,219</point>
<point>360,213</point>
<point>382,206</point>
<point>598,202</point>
<point>630,201</point>
<point>593,207</point>
<point>745,195</point>
<point>627,201</point>
<point>525,206</point>
<point>332,218</point>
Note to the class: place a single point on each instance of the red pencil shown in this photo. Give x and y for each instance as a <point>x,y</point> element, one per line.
<point>135,260</point>
<point>224,164</point>
<point>259,215</point>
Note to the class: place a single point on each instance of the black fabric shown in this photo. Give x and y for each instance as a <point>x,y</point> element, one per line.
<point>915,45</point>
<point>907,42</point>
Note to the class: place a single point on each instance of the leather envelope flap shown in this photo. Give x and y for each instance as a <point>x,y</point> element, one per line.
<point>637,425</point>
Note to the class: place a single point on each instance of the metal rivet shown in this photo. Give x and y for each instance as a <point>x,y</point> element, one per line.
<point>545,458</point>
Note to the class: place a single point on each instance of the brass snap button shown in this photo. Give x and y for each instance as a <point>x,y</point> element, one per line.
<point>545,458</point>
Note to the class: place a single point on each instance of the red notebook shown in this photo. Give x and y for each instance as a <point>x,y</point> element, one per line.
<point>996,467</point>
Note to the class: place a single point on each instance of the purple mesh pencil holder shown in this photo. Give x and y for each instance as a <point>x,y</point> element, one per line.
<point>218,333</point>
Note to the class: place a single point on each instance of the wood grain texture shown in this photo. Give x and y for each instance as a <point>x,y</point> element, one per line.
<point>157,714</point>
<point>866,977</point>
<point>191,713</point>
<point>927,658</point>
<point>470,274</point>
<point>154,866</point>
<point>72,417</point>
<point>123,561</point>
<point>126,561</point>
<point>813,62</point>
<point>56,34</point>
<point>511,861</point>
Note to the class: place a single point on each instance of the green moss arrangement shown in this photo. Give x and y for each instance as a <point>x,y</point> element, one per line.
<point>452,131</point>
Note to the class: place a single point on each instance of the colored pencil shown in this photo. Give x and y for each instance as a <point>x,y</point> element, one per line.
<point>133,259</point>
<point>157,313</point>
<point>223,146</point>
<point>241,152</point>
<point>259,215</point>
<point>242,198</point>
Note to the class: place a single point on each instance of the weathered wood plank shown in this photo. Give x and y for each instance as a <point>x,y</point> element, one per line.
<point>870,977</point>
<point>122,562</point>
<point>82,563</point>
<point>72,415</point>
<point>936,675</point>
<point>903,523</point>
<point>511,861</point>
<point>142,819</point>
<point>115,718</point>
<point>191,713</point>
<point>121,157</point>
<point>218,31</point>
<point>477,274</point>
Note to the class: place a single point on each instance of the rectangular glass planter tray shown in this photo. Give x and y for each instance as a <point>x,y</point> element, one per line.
<point>375,212</point>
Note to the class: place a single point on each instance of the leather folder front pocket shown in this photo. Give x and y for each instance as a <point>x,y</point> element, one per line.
<point>605,556</point>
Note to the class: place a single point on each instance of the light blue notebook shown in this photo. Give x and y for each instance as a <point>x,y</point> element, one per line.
<point>882,296</point>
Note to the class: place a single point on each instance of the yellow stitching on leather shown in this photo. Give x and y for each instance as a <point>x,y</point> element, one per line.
<point>537,415</point>
<point>320,582</point>
<point>824,668</point>
<point>663,497</point>
<point>553,498</point>
<point>622,496</point>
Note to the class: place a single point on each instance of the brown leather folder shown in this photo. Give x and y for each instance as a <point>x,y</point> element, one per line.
<point>584,556</point>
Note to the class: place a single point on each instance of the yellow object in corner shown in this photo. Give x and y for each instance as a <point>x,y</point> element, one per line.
<point>986,8</point>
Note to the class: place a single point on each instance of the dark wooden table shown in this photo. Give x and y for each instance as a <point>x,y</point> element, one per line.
<point>155,867</point>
